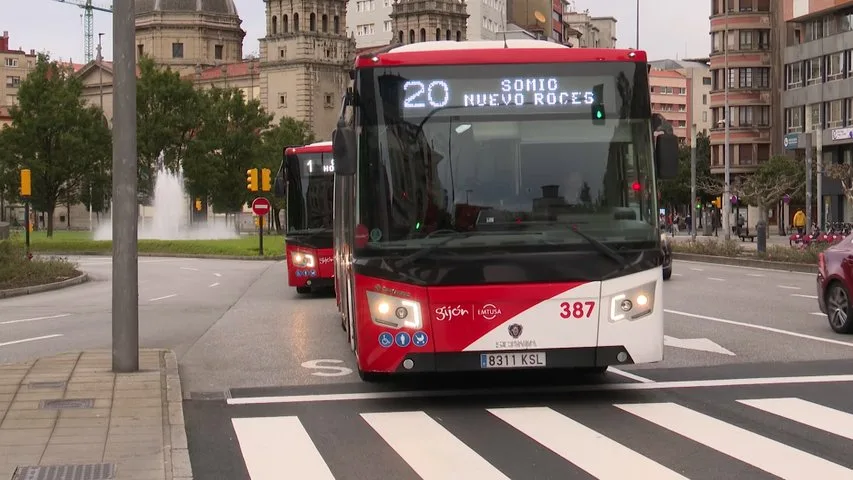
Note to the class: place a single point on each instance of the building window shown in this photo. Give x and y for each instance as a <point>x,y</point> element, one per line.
<point>744,118</point>
<point>705,116</point>
<point>706,80</point>
<point>814,72</point>
<point>11,62</point>
<point>814,30</point>
<point>324,23</point>
<point>217,52</point>
<point>745,155</point>
<point>794,119</point>
<point>813,112</point>
<point>732,77</point>
<point>336,24</point>
<point>794,75</point>
<point>763,39</point>
<point>140,50</point>
<point>327,100</point>
<point>177,50</point>
<point>386,27</point>
<point>746,40</point>
<point>849,55</point>
<point>834,66</point>
<point>13,82</point>
<point>833,113</point>
<point>849,109</point>
<point>366,29</point>
<point>282,99</point>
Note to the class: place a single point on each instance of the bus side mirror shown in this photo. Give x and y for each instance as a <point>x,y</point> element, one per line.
<point>666,156</point>
<point>344,149</point>
<point>280,188</point>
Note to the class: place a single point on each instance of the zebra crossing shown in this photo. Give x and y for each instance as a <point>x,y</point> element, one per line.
<point>787,437</point>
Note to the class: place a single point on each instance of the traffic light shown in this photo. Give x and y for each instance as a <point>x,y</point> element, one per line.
<point>598,105</point>
<point>265,180</point>
<point>252,179</point>
<point>26,183</point>
<point>198,204</point>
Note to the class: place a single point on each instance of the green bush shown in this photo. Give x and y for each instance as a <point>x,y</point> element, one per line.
<point>16,270</point>
<point>720,248</point>
<point>732,248</point>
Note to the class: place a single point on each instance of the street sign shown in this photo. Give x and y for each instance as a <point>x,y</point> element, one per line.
<point>791,141</point>
<point>261,206</point>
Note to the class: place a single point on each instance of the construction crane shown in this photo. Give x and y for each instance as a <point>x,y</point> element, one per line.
<point>88,23</point>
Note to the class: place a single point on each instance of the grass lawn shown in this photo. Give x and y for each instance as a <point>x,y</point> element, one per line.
<point>74,242</point>
<point>16,271</point>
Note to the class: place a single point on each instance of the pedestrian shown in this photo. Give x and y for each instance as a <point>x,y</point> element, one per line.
<point>799,221</point>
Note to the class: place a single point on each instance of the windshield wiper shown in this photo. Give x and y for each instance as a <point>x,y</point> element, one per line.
<point>422,252</point>
<point>602,248</point>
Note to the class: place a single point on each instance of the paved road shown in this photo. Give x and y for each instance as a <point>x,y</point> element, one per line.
<point>273,337</point>
<point>753,429</point>
<point>179,300</point>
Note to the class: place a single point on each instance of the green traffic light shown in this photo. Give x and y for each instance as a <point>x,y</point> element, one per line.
<point>598,114</point>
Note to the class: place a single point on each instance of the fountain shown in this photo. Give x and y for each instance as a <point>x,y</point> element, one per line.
<point>171,212</point>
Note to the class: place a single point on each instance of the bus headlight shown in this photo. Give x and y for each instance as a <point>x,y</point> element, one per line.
<point>394,312</point>
<point>634,303</point>
<point>303,260</point>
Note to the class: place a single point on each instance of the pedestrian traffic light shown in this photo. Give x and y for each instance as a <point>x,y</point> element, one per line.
<point>252,179</point>
<point>198,204</point>
<point>26,183</point>
<point>265,180</point>
<point>598,105</point>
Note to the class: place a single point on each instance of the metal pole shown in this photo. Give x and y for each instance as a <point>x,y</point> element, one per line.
<point>819,164</point>
<point>727,195</point>
<point>638,24</point>
<point>260,235</point>
<point>27,224</point>
<point>125,295</point>
<point>696,210</point>
<point>808,146</point>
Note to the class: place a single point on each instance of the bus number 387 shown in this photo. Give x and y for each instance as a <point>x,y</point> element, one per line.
<point>576,309</point>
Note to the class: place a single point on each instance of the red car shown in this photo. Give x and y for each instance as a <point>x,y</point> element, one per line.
<point>834,284</point>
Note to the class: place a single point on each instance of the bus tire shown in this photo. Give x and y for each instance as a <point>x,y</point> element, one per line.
<point>303,290</point>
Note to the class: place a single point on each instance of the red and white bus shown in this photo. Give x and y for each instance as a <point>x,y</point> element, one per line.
<point>496,207</point>
<point>308,174</point>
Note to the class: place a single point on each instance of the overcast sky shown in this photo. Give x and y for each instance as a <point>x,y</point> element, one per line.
<point>668,28</point>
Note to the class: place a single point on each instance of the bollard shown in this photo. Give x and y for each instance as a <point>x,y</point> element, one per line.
<point>761,234</point>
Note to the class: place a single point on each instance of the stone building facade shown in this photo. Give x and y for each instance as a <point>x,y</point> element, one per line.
<point>417,21</point>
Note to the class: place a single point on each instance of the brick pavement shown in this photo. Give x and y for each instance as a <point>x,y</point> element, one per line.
<point>115,426</point>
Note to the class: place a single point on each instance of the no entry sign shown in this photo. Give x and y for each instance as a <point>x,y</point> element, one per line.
<point>261,206</point>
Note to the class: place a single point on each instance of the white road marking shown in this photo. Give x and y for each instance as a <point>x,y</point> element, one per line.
<point>754,275</point>
<point>35,319</point>
<point>761,327</point>
<point>700,344</point>
<point>818,314</point>
<point>630,375</point>
<point>591,451</point>
<point>802,295</point>
<point>808,413</point>
<point>213,285</point>
<point>759,269</point>
<point>677,275</point>
<point>429,449</point>
<point>789,287</point>
<point>598,387</point>
<point>698,269</point>
<point>761,452</point>
<point>33,339</point>
<point>190,269</point>
<point>163,297</point>
<point>217,274</point>
<point>273,445</point>
<point>716,279</point>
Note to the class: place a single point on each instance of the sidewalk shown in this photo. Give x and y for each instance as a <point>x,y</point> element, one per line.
<point>69,413</point>
<point>773,238</point>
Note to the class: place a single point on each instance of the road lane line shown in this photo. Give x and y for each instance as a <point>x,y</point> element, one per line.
<point>190,269</point>
<point>217,274</point>
<point>716,279</point>
<point>430,450</point>
<point>761,327</point>
<point>677,275</point>
<point>213,285</point>
<point>760,452</point>
<point>630,375</point>
<point>802,295</point>
<point>163,297</point>
<point>591,451</point>
<point>759,269</point>
<point>789,287</point>
<point>818,314</point>
<point>274,445</point>
<point>816,416</point>
<point>698,269</point>
<point>33,339</point>
<point>598,387</point>
<point>35,319</point>
<point>754,275</point>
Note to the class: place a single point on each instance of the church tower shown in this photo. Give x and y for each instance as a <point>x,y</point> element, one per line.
<point>429,20</point>
<point>305,61</point>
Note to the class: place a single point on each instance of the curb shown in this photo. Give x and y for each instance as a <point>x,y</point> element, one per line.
<point>47,287</point>
<point>746,262</point>
<point>178,466</point>
<point>170,255</point>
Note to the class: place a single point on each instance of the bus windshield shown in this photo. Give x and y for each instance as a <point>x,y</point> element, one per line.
<point>511,155</point>
<point>310,183</point>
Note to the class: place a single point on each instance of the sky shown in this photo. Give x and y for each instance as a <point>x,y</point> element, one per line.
<point>668,28</point>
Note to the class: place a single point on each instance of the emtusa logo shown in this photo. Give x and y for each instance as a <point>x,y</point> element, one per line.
<point>446,312</point>
<point>489,311</point>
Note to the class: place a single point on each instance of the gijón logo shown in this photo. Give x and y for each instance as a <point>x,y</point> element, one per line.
<point>447,312</point>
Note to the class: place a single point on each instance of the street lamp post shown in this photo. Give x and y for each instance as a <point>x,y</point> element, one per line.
<point>726,214</point>
<point>696,211</point>
<point>638,24</point>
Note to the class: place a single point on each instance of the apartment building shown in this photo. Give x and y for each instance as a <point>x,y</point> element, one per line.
<point>14,66</point>
<point>697,74</point>
<point>818,96</point>
<point>370,20</point>
<point>586,31</point>
<point>669,96</point>
<point>742,55</point>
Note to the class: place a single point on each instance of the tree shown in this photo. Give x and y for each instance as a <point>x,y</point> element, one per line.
<point>168,111</point>
<point>776,177</point>
<point>55,135</point>
<point>676,191</point>
<point>288,133</point>
<point>842,172</point>
<point>226,144</point>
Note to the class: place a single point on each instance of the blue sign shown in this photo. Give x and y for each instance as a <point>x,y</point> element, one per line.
<point>420,339</point>
<point>386,339</point>
<point>791,141</point>
<point>402,339</point>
